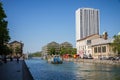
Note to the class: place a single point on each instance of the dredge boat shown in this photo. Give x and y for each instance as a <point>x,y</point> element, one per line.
<point>56,60</point>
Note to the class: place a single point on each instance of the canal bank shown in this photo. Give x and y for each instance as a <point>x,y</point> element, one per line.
<point>95,61</point>
<point>12,70</point>
<point>26,73</point>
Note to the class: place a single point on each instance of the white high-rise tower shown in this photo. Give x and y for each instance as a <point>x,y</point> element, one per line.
<point>87,22</point>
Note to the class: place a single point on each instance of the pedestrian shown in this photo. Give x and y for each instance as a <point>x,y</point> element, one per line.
<point>5,59</point>
<point>17,59</point>
<point>11,59</point>
<point>117,58</point>
<point>1,62</point>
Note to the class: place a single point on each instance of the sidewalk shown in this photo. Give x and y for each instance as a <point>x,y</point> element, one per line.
<point>14,71</point>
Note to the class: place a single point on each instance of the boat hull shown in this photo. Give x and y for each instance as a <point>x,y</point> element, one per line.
<point>60,62</point>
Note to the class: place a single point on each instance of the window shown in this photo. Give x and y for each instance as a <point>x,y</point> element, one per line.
<point>88,42</point>
<point>99,49</point>
<point>103,48</point>
<point>95,50</point>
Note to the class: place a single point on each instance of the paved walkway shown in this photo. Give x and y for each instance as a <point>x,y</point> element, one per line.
<point>14,71</point>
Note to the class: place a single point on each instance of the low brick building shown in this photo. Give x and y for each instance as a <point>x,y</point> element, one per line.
<point>16,48</point>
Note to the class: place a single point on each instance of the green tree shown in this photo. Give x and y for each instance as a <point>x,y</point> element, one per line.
<point>62,51</point>
<point>116,44</point>
<point>6,50</point>
<point>65,48</point>
<point>4,32</point>
<point>74,51</point>
<point>53,48</point>
<point>35,54</point>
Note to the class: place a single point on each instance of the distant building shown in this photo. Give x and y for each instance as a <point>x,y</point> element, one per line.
<point>101,48</point>
<point>50,46</point>
<point>47,48</point>
<point>87,22</point>
<point>84,46</point>
<point>95,45</point>
<point>44,50</point>
<point>88,40</point>
<point>66,45</point>
<point>16,47</point>
<point>87,28</point>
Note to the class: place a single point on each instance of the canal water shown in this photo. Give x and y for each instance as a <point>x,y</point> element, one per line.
<point>41,70</point>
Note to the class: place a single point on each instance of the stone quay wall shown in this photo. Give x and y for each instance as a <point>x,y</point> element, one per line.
<point>95,61</point>
<point>26,73</point>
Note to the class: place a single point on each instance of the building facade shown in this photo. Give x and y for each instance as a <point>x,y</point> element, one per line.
<point>16,47</point>
<point>101,48</point>
<point>88,40</point>
<point>87,26</point>
<point>87,22</point>
<point>84,46</point>
<point>98,46</point>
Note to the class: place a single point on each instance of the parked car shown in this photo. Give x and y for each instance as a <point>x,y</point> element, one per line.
<point>103,58</point>
<point>90,57</point>
<point>86,57</point>
<point>111,58</point>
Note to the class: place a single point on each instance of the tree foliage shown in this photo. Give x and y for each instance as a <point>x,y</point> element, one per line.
<point>116,44</point>
<point>61,49</point>
<point>4,32</point>
<point>66,48</point>
<point>53,48</point>
<point>36,54</point>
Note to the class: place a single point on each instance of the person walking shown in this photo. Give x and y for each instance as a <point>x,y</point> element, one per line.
<point>11,58</point>
<point>17,59</point>
<point>5,59</point>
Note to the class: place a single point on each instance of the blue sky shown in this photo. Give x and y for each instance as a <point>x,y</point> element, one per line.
<point>38,22</point>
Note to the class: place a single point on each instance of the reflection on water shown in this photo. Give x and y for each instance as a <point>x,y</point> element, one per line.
<point>41,70</point>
